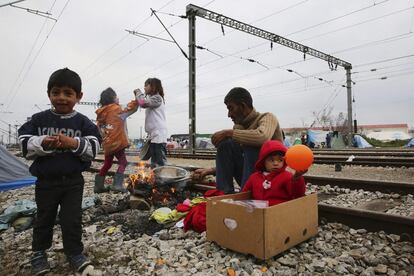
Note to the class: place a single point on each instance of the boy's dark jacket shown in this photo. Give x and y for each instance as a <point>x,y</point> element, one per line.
<point>282,187</point>
<point>61,162</point>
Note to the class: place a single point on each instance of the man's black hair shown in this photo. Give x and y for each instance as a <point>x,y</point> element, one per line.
<point>107,97</point>
<point>65,77</point>
<point>239,95</point>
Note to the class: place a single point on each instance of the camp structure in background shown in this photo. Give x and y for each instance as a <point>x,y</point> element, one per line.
<point>385,132</point>
<point>14,173</point>
<point>360,142</point>
<point>386,136</point>
<point>410,143</point>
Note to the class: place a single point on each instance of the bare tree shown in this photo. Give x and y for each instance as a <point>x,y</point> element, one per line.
<point>323,118</point>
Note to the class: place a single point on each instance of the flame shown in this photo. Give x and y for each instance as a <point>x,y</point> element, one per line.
<point>145,176</point>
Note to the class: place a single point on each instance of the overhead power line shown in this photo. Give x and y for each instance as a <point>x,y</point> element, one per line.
<point>36,12</point>
<point>11,3</point>
<point>38,52</point>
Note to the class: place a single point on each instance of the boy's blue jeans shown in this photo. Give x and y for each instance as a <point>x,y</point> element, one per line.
<point>234,161</point>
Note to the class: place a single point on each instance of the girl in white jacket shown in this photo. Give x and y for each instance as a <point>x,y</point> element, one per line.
<point>155,122</point>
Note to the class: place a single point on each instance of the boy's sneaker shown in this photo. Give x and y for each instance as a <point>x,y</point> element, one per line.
<point>78,262</point>
<point>40,265</point>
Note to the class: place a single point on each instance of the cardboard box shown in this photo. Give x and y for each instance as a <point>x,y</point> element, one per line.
<point>262,232</point>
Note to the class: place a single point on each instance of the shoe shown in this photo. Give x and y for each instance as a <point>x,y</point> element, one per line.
<point>40,265</point>
<point>99,184</point>
<point>78,262</point>
<point>118,184</point>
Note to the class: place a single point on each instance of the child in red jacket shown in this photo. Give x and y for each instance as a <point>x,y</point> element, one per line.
<point>271,181</point>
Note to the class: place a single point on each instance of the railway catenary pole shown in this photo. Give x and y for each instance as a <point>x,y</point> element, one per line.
<point>192,80</point>
<point>192,11</point>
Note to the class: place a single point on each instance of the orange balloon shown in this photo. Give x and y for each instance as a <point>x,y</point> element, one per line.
<point>299,157</point>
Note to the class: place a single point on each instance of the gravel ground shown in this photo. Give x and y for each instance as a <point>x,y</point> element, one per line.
<point>124,242</point>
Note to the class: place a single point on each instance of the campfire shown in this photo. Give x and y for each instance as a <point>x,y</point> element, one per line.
<point>156,186</point>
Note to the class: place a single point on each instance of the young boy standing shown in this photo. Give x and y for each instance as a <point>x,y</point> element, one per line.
<point>62,143</point>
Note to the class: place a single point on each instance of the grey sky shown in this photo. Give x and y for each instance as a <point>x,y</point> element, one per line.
<point>90,38</point>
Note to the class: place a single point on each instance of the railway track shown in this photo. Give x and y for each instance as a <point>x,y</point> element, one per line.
<point>375,161</point>
<point>360,218</point>
<point>355,218</point>
<point>350,183</point>
<point>323,159</point>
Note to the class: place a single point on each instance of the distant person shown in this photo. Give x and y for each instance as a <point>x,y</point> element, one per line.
<point>271,181</point>
<point>238,148</point>
<point>328,140</point>
<point>155,121</point>
<point>111,120</point>
<point>62,143</point>
<point>303,139</point>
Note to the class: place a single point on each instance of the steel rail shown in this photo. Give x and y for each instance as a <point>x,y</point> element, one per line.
<point>369,220</point>
<point>402,188</point>
<point>319,159</point>
<point>355,218</point>
<point>315,152</point>
<point>359,218</point>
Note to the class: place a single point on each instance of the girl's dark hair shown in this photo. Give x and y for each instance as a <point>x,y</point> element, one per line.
<point>156,86</point>
<point>107,97</point>
<point>239,95</point>
<point>65,77</point>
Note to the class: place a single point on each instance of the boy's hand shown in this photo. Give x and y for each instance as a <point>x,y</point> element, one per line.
<point>51,142</point>
<point>67,142</point>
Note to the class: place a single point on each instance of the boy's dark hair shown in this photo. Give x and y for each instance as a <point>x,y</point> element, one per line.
<point>107,97</point>
<point>65,77</point>
<point>156,86</point>
<point>239,95</point>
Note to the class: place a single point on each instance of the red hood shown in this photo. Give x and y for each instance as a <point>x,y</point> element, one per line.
<point>267,148</point>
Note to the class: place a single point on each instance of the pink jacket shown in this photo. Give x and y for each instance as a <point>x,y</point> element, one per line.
<point>282,187</point>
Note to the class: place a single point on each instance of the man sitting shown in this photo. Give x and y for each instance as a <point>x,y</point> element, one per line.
<point>238,148</point>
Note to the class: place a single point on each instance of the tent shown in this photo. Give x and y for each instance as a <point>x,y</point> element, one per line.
<point>410,143</point>
<point>316,137</point>
<point>360,142</point>
<point>13,172</point>
<point>204,143</point>
<point>287,142</point>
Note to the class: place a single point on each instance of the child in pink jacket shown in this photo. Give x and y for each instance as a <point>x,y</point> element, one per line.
<point>271,181</point>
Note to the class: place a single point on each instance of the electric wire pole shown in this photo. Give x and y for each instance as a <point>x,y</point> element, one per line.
<point>192,11</point>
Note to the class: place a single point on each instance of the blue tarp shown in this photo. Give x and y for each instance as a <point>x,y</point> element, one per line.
<point>360,142</point>
<point>20,183</point>
<point>316,137</point>
<point>410,143</point>
<point>13,172</point>
<point>287,143</point>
